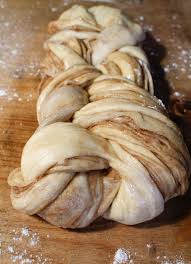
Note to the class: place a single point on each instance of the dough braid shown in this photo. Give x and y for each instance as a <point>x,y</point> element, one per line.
<point>105,145</point>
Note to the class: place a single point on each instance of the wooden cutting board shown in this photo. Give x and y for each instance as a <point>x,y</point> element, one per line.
<point>25,239</point>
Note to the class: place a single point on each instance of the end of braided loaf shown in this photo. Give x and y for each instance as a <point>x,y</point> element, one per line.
<point>105,145</point>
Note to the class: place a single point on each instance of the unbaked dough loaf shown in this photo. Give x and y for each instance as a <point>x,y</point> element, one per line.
<point>105,145</point>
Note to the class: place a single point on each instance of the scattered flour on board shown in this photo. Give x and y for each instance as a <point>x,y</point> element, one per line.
<point>18,58</point>
<point>18,39</point>
<point>15,252</point>
<point>178,53</point>
<point>130,256</point>
<point>122,256</point>
<point>11,94</point>
<point>172,262</point>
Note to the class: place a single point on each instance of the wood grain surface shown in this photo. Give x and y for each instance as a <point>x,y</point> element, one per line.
<point>25,239</point>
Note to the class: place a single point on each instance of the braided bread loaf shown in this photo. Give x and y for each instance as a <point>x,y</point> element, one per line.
<point>105,145</point>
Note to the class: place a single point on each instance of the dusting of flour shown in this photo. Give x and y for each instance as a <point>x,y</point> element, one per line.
<point>130,256</point>
<point>31,253</point>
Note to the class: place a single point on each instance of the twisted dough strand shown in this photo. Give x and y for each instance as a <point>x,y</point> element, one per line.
<point>105,145</point>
